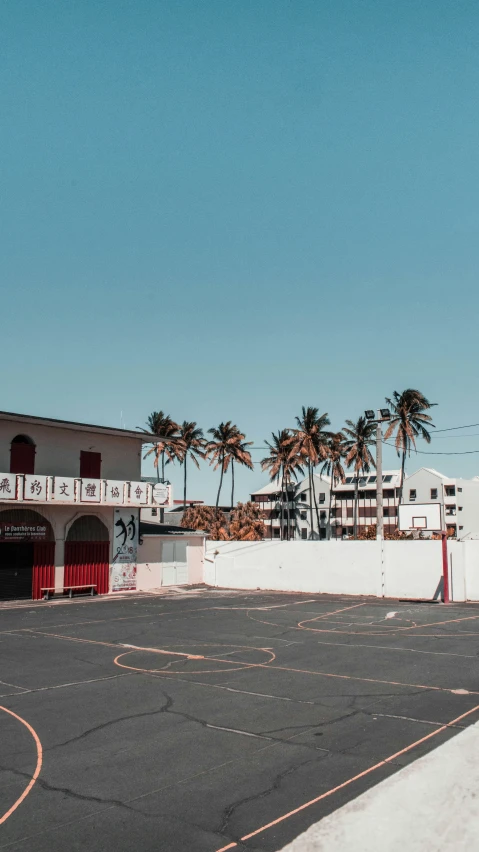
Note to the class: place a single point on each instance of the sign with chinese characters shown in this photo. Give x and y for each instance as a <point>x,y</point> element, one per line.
<point>125,550</point>
<point>114,489</point>
<point>35,487</point>
<point>90,490</point>
<point>8,486</point>
<point>23,532</point>
<point>161,494</point>
<point>63,489</point>
<point>138,493</point>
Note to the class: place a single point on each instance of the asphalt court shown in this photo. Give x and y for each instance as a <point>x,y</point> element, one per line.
<point>212,720</point>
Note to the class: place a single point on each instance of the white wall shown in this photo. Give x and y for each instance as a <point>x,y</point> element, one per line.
<point>150,566</point>
<point>301,566</point>
<point>395,569</point>
<point>58,450</point>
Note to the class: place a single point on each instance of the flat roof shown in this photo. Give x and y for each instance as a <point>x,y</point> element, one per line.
<point>72,424</point>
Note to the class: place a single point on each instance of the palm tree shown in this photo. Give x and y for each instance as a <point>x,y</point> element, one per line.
<point>166,431</point>
<point>333,466</point>
<point>359,437</point>
<point>191,443</point>
<point>408,421</point>
<point>308,443</point>
<point>225,445</point>
<point>241,455</point>
<point>280,462</point>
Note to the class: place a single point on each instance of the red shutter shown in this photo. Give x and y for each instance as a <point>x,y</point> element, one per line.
<point>90,465</point>
<point>88,562</point>
<point>22,458</point>
<point>43,567</point>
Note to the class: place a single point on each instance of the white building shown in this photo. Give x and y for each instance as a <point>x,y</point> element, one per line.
<point>294,514</point>
<point>459,499</point>
<point>70,500</point>
<point>342,510</point>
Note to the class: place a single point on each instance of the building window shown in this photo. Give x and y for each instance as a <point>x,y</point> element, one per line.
<point>275,532</point>
<point>459,489</point>
<point>90,465</point>
<point>322,497</point>
<point>322,516</point>
<point>387,478</point>
<point>433,493</point>
<point>304,533</point>
<point>450,490</point>
<point>412,494</point>
<point>154,513</point>
<point>303,516</point>
<point>450,509</point>
<point>22,455</point>
<point>461,527</point>
<point>460,508</point>
<point>302,496</point>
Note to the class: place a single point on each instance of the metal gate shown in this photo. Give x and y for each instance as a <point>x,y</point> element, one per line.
<point>87,562</point>
<point>175,563</point>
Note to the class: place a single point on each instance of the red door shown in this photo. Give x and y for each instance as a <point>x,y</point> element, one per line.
<point>88,562</point>
<point>43,568</point>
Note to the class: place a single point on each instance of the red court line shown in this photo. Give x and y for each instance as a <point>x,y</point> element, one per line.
<point>37,768</point>
<point>349,781</point>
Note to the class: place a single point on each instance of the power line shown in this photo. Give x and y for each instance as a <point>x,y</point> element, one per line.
<point>454,428</point>
<point>425,453</point>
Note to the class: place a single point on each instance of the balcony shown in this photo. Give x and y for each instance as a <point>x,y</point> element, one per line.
<point>31,489</point>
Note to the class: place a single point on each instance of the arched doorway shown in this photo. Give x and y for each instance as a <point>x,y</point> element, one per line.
<point>87,554</point>
<point>27,554</point>
<point>22,455</point>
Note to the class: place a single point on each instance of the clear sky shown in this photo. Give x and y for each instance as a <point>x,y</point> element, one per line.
<point>228,210</point>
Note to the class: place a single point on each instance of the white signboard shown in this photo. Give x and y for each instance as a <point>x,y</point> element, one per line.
<point>138,493</point>
<point>63,489</point>
<point>8,486</point>
<point>125,550</point>
<point>35,487</point>
<point>91,490</point>
<point>114,489</point>
<point>420,516</point>
<point>161,494</point>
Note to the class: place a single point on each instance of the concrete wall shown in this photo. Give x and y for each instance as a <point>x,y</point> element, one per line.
<point>58,450</point>
<point>396,569</point>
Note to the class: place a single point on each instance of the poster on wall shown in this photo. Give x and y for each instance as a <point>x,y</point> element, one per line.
<point>125,549</point>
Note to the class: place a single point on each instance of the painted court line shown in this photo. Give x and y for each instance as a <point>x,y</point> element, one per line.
<point>349,781</point>
<point>38,766</point>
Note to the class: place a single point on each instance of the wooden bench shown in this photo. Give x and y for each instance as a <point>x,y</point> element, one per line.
<point>49,592</point>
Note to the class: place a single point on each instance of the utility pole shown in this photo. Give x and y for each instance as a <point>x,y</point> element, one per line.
<point>379,480</point>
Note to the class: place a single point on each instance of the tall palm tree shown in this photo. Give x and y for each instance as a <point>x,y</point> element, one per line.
<point>308,443</point>
<point>190,446</point>
<point>280,463</point>
<point>226,444</point>
<point>408,419</point>
<point>359,437</point>
<point>333,466</point>
<point>242,456</point>
<point>166,431</point>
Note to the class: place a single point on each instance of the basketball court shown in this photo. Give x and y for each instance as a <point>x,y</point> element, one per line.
<point>211,721</point>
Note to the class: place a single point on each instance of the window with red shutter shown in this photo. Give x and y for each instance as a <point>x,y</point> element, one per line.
<point>90,465</point>
<point>22,455</point>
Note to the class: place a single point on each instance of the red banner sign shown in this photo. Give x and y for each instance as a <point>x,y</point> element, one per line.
<point>23,532</point>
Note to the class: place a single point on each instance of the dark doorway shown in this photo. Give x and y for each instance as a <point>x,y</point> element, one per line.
<point>16,570</point>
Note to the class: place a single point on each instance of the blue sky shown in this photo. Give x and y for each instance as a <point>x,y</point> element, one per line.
<point>228,210</point>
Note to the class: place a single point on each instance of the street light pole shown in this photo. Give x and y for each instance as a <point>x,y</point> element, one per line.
<point>379,480</point>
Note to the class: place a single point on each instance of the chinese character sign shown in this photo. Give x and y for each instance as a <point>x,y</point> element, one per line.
<point>138,493</point>
<point>114,491</point>
<point>91,490</point>
<point>125,549</point>
<point>8,486</point>
<point>63,489</point>
<point>35,487</point>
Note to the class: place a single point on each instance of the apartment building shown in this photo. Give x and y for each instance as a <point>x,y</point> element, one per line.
<point>459,499</point>
<point>343,502</point>
<point>292,519</point>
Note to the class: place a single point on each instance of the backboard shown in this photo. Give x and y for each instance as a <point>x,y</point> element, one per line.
<point>420,516</point>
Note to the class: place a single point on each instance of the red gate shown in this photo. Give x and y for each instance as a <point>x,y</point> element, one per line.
<point>43,567</point>
<point>87,562</point>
